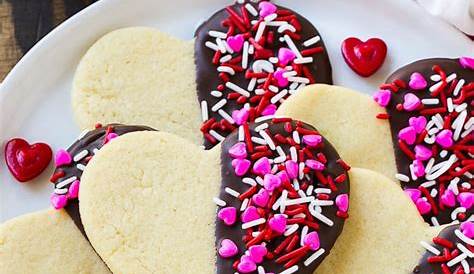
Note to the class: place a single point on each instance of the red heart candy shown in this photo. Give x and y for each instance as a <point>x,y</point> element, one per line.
<point>26,161</point>
<point>365,58</point>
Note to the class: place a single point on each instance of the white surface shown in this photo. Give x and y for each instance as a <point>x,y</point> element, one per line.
<point>460,13</point>
<point>34,98</point>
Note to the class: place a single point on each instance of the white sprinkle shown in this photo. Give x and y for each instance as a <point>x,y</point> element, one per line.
<point>244,205</point>
<point>82,134</point>
<point>434,221</point>
<point>211,46</point>
<point>260,268</point>
<point>95,150</point>
<point>453,185</point>
<point>311,41</point>
<point>219,202</point>
<point>260,30</point>
<point>204,111</point>
<point>293,154</point>
<point>226,116</point>
<point>251,49</point>
<point>296,137</point>
<point>81,155</point>
<point>451,77</point>
<point>232,192</point>
<point>280,151</point>
<point>216,135</point>
<point>296,184</point>
<point>430,248</point>
<point>261,127</point>
<point>319,216</point>
<point>286,27</point>
<point>402,177</point>
<point>279,96</point>
<point>267,139</point>
<point>435,77</point>
<point>314,256</point>
<point>443,153</point>
<point>241,134</point>
<point>249,181</point>
<point>301,193</point>
<point>458,124</point>
<point>292,46</point>
<point>323,202</point>
<point>221,45</point>
<point>216,94</point>
<point>455,212</point>
<point>252,84</point>
<point>273,88</point>
<point>305,60</point>
<point>300,171</point>
<point>412,173</point>
<point>273,60</point>
<point>457,260</point>
<point>225,58</point>
<point>253,223</point>
<point>218,105</point>
<point>259,180</point>
<point>430,101</point>
<point>309,190</point>
<point>290,73</point>
<point>237,89</point>
<point>290,270</point>
<point>461,107</point>
<point>257,140</point>
<point>322,190</point>
<point>463,237</point>
<point>294,86</point>
<point>245,55</point>
<point>434,192</point>
<point>304,231</point>
<point>263,118</point>
<point>465,250</point>
<point>259,91</point>
<point>276,24</point>
<point>226,69</point>
<point>465,266</point>
<point>441,168</point>
<point>283,197</point>
<point>291,229</point>
<point>251,9</point>
<point>299,80</point>
<point>467,131</point>
<point>458,87</point>
<point>428,184</point>
<point>227,47</point>
<point>81,167</point>
<point>217,34</point>
<point>270,17</point>
<point>60,191</point>
<point>429,166</point>
<point>450,104</point>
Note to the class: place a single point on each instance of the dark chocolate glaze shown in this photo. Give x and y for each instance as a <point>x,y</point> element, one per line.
<point>94,139</point>
<point>424,267</point>
<point>399,119</point>
<point>207,77</point>
<point>328,235</point>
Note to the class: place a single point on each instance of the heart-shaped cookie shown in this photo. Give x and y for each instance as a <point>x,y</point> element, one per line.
<point>176,182</point>
<point>431,117</point>
<point>242,66</point>
<point>46,242</point>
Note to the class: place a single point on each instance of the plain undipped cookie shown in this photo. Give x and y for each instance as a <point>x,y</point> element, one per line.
<point>46,242</point>
<point>138,76</point>
<point>347,119</point>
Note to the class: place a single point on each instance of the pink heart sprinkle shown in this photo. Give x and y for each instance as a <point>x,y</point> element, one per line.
<point>422,153</point>
<point>413,193</point>
<point>283,175</point>
<point>278,223</point>
<point>418,168</point>
<point>261,198</point>
<point>285,56</point>
<point>238,150</point>
<point>467,62</point>
<point>241,166</point>
<point>314,165</point>
<point>250,214</point>
<point>262,166</point>
<point>382,97</point>
<point>418,123</point>
<point>236,42</point>
<point>282,81</point>
<point>240,116</point>
<point>467,228</point>
<point>291,169</point>
<point>423,206</point>
<point>312,140</point>
<point>228,249</point>
<point>58,201</point>
<point>417,81</point>
<point>411,102</point>
<point>408,135</point>
<point>110,137</point>
<point>266,8</point>
<point>342,202</point>
<point>269,110</point>
<point>228,215</point>
<point>448,198</point>
<point>73,191</point>
<point>466,199</point>
<point>246,265</point>
<point>62,158</point>
<point>312,240</point>
<point>445,138</point>
<point>271,182</point>
<point>257,252</point>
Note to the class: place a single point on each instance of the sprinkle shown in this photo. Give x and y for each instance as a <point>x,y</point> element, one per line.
<point>457,259</point>
<point>402,177</point>
<point>263,118</point>
<point>216,94</point>
<point>237,89</point>
<point>217,34</point>
<point>249,181</point>
<point>241,134</point>
<point>212,46</point>
<point>251,9</point>
<point>430,248</point>
<point>299,80</point>
<point>260,30</point>
<point>314,256</point>
<point>232,192</point>
<point>253,223</point>
<point>218,105</point>
<point>60,191</point>
<point>216,135</point>
<point>226,69</point>
<point>219,202</point>
<point>81,155</point>
<point>245,57</point>
<point>305,60</point>
<point>290,270</point>
<point>463,237</point>
<point>311,41</point>
<point>292,46</point>
<point>430,101</point>
<point>81,167</point>
<point>244,204</point>
<point>65,182</point>
<point>204,111</point>
<point>291,229</point>
<point>226,116</point>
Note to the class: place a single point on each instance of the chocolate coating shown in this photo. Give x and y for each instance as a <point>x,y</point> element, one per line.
<point>207,77</point>
<point>328,235</point>
<point>399,119</point>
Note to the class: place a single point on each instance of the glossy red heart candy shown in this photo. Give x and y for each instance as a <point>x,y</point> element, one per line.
<point>26,161</point>
<point>365,58</point>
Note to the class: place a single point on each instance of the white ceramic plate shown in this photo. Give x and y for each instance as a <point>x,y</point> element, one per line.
<point>34,98</point>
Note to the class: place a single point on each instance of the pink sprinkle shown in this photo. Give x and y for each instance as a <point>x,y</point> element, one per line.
<point>246,265</point>
<point>413,193</point>
<point>240,116</point>
<point>282,81</point>
<point>271,182</point>
<point>278,223</point>
<point>467,228</point>
<point>228,215</point>
<point>423,206</point>
<point>342,202</point>
<point>408,135</point>
<point>285,56</point>
<point>291,169</point>
<point>110,137</point>
<point>382,97</point>
<point>315,165</point>
<point>411,102</point>
<point>445,138</point>
<point>417,81</point>
<point>418,123</point>
<point>238,150</point>
<point>236,42</point>
<point>269,110</point>
<point>448,198</point>
<point>262,166</point>
<point>58,201</point>
<point>283,175</point>
<point>241,166</point>
<point>466,199</point>
<point>312,140</point>
<point>73,191</point>
<point>422,153</point>
<point>418,168</point>
<point>467,62</point>
<point>257,252</point>
<point>312,240</point>
<point>62,158</point>
<point>261,198</point>
<point>250,214</point>
<point>266,8</point>
<point>228,249</point>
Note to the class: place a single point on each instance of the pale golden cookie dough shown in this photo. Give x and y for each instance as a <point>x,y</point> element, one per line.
<point>383,232</point>
<point>139,76</point>
<point>347,119</point>
<point>46,242</point>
